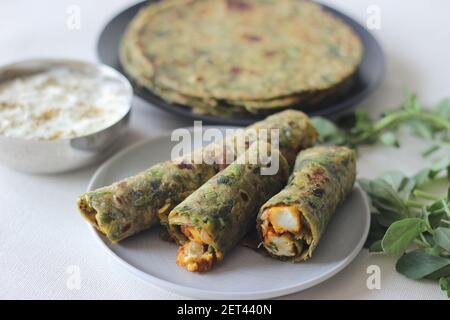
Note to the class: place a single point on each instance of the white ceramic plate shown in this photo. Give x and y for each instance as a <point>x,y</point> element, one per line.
<point>244,274</point>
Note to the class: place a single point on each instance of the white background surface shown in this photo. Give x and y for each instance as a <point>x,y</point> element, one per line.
<point>41,233</point>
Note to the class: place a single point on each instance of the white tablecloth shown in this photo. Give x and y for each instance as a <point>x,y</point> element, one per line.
<point>42,235</point>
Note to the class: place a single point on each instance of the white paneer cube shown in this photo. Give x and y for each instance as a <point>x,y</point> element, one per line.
<point>280,245</point>
<point>285,219</point>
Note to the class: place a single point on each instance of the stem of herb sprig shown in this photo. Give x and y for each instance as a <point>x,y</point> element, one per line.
<point>425,195</point>
<point>434,125</point>
<point>421,244</point>
<point>414,204</point>
<point>400,116</point>
<point>440,211</point>
<point>422,237</point>
<point>391,120</point>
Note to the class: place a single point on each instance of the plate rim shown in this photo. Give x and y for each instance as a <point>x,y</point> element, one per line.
<point>351,102</point>
<point>213,294</point>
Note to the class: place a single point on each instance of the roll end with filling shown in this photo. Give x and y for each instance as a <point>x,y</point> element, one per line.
<point>282,233</point>
<point>291,224</point>
<point>196,254</point>
<point>195,257</point>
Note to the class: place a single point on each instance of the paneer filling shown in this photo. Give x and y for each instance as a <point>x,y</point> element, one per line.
<point>195,255</point>
<point>281,229</point>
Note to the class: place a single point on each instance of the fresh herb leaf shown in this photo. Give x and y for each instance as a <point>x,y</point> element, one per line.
<point>443,108</point>
<point>329,133</point>
<point>406,211</point>
<point>389,139</point>
<point>376,231</point>
<point>443,272</point>
<point>444,283</point>
<point>394,178</point>
<point>431,150</point>
<point>442,238</point>
<point>376,247</point>
<point>401,234</point>
<point>400,183</point>
<point>440,166</point>
<point>419,264</point>
<point>359,129</point>
<point>422,129</point>
<point>422,177</point>
<point>385,198</point>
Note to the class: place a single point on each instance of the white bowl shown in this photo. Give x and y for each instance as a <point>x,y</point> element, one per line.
<point>52,156</point>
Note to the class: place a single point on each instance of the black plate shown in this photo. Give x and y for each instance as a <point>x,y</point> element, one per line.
<point>367,79</point>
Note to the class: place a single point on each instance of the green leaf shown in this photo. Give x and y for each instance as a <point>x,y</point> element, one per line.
<point>411,102</point>
<point>442,238</point>
<point>428,152</point>
<point>444,283</point>
<point>443,272</point>
<point>422,177</point>
<point>436,206</point>
<point>376,231</point>
<point>389,139</point>
<point>401,234</point>
<point>386,217</point>
<point>446,204</point>
<point>400,183</point>
<point>386,198</point>
<point>440,166</point>
<point>419,264</point>
<point>435,250</point>
<point>443,108</point>
<point>362,121</point>
<point>422,129</point>
<point>407,187</point>
<point>365,184</point>
<point>376,247</point>
<point>328,131</point>
<point>434,218</point>
<point>394,178</point>
<point>358,128</point>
